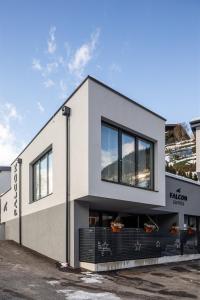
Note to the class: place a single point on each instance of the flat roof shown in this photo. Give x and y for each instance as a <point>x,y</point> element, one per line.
<point>79,86</point>
<point>178,177</point>
<point>194,124</point>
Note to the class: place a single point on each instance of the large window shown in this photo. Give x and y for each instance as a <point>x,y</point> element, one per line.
<point>126,158</point>
<point>42,176</point>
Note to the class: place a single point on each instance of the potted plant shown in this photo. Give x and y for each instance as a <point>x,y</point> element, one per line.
<point>174,229</point>
<point>191,230</point>
<point>116,225</point>
<point>149,227</point>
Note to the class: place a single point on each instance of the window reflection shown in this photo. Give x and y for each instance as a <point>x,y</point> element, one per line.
<point>128,159</point>
<point>125,158</point>
<point>42,176</point>
<point>109,153</point>
<point>145,163</point>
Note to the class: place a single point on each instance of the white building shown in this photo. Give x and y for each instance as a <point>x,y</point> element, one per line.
<point>100,152</point>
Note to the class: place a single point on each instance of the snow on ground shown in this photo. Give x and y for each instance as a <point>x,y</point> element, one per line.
<point>82,295</point>
<point>90,277</point>
<point>53,282</point>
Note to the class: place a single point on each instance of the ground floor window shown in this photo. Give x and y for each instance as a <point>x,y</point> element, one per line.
<point>191,222</point>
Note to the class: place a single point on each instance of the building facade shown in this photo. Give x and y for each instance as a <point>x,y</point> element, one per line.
<point>100,158</point>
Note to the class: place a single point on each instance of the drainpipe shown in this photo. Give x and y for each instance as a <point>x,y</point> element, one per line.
<point>19,160</point>
<point>66,112</point>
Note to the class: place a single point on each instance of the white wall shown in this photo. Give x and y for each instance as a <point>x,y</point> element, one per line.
<point>54,135</point>
<point>107,104</point>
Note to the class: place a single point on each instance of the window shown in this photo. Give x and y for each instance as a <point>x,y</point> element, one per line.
<point>126,158</point>
<point>42,176</point>
<point>109,158</point>
<point>145,164</point>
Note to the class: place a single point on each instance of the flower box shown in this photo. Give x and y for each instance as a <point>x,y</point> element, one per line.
<point>116,227</point>
<point>149,228</point>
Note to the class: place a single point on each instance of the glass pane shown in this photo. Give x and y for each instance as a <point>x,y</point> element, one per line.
<point>43,176</point>
<point>50,173</point>
<point>128,159</point>
<point>145,164</point>
<point>36,181</point>
<point>109,153</point>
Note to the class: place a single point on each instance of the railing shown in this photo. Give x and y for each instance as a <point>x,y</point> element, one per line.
<point>100,244</point>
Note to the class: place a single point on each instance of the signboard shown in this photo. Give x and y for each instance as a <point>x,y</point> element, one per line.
<point>178,197</point>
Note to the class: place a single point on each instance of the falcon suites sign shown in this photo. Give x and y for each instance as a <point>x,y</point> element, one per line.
<point>178,197</point>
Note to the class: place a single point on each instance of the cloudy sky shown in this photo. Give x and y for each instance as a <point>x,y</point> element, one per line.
<point>148,50</point>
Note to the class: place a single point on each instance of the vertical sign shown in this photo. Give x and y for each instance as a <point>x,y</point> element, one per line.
<point>15,189</point>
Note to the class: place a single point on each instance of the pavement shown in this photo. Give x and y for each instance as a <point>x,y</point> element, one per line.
<point>27,275</point>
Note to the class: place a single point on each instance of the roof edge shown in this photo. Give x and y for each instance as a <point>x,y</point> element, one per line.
<point>127,98</point>
<point>70,96</point>
<point>60,107</point>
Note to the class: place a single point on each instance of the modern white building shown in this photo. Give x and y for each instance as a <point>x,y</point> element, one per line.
<point>100,157</point>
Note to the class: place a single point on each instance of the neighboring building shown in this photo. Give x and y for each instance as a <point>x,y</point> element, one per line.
<point>100,157</point>
<point>195,125</point>
<point>5,178</point>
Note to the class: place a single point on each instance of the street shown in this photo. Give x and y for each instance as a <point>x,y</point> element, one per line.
<point>26,275</point>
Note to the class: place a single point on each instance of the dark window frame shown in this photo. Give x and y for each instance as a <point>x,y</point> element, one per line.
<point>136,137</point>
<point>34,198</point>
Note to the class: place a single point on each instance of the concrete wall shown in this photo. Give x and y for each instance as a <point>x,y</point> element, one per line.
<point>104,103</point>
<point>12,230</point>
<point>44,232</point>
<point>2,231</point>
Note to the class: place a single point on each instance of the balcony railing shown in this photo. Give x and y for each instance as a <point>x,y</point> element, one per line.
<point>100,244</point>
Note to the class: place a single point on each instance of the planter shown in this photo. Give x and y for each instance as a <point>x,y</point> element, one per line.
<point>174,230</point>
<point>191,231</point>
<point>115,229</point>
<point>149,228</point>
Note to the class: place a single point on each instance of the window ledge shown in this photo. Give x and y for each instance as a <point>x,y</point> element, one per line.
<point>40,198</point>
<point>131,186</point>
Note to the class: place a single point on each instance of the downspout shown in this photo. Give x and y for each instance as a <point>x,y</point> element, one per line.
<point>66,112</point>
<point>19,160</point>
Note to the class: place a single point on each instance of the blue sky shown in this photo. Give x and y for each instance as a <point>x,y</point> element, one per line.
<point>148,50</point>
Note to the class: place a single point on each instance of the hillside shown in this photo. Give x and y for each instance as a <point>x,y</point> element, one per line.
<point>180,151</point>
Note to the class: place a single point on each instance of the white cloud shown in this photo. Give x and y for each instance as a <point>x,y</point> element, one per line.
<point>83,55</point>
<point>40,107</point>
<point>36,65</point>
<point>115,68</point>
<point>9,147</point>
<point>49,83</point>
<point>52,40</point>
<point>52,67</point>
